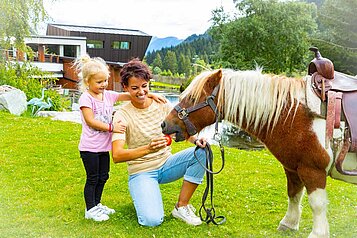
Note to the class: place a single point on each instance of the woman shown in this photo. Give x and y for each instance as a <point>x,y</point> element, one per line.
<point>147,154</point>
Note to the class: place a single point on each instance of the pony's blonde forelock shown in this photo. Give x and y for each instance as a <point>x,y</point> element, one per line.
<point>195,88</point>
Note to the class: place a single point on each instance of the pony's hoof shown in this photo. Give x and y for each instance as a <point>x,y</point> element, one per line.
<point>283,227</point>
<point>313,235</point>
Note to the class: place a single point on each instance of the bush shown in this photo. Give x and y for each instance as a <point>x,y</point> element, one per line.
<point>31,80</point>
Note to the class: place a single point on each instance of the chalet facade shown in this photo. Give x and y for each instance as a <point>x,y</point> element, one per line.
<point>56,52</point>
<point>111,44</point>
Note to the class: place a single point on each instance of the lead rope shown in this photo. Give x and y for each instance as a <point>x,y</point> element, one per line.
<point>211,212</point>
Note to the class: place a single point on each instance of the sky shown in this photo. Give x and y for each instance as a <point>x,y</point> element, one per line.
<point>160,18</point>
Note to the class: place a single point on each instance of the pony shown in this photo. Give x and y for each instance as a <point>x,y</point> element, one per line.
<point>275,110</point>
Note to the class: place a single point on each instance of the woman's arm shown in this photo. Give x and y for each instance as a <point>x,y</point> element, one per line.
<point>198,142</point>
<point>121,154</point>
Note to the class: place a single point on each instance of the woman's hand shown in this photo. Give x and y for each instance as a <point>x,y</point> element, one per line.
<point>200,142</point>
<point>119,127</point>
<point>157,144</point>
<point>157,97</point>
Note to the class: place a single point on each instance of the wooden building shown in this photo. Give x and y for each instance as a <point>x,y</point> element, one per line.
<point>111,44</point>
<point>56,52</point>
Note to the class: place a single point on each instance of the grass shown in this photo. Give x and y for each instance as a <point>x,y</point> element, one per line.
<point>42,179</point>
<point>154,85</point>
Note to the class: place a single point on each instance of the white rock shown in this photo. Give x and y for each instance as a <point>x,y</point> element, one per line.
<point>13,100</point>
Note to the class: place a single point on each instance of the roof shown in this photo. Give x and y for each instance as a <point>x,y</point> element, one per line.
<point>95,29</point>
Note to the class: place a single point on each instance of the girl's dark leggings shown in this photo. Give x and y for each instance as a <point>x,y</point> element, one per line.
<point>97,170</point>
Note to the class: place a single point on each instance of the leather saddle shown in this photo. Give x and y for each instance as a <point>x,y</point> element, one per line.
<point>339,92</point>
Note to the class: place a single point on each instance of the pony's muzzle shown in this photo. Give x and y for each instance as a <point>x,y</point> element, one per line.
<point>163,127</point>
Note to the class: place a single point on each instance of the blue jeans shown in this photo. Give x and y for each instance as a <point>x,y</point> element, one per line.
<point>144,187</point>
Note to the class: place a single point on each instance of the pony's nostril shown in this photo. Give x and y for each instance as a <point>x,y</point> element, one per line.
<point>163,125</point>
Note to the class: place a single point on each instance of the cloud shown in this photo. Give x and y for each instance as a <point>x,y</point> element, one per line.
<point>161,18</point>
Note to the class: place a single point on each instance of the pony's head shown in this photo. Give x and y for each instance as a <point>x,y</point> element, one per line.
<point>196,107</point>
<point>249,99</point>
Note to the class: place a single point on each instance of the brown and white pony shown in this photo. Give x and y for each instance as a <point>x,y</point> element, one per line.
<point>275,110</point>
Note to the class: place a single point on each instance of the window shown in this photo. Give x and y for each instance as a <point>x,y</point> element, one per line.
<point>70,50</point>
<point>123,45</point>
<point>95,44</point>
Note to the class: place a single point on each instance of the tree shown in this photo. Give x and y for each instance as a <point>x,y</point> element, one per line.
<point>157,61</point>
<point>19,19</point>
<point>170,62</point>
<point>337,38</point>
<point>270,33</point>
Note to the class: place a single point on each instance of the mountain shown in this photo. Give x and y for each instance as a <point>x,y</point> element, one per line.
<point>159,43</point>
<point>194,37</point>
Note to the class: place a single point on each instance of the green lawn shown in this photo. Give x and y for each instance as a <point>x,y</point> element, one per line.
<point>42,179</point>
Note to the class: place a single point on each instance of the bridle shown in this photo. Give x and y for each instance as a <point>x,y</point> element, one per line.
<point>183,113</point>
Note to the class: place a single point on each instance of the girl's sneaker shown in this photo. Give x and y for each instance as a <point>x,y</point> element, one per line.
<point>96,214</point>
<point>105,209</point>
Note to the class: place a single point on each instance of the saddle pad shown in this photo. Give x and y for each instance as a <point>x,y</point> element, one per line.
<point>349,100</point>
<point>344,82</point>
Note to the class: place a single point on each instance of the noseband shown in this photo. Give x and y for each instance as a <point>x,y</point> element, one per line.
<point>183,113</point>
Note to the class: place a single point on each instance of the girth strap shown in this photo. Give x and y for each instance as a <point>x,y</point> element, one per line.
<point>330,117</point>
<point>333,115</point>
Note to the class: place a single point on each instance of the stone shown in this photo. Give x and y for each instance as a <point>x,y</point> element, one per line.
<point>12,100</point>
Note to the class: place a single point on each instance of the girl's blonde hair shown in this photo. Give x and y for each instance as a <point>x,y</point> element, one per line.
<point>87,67</point>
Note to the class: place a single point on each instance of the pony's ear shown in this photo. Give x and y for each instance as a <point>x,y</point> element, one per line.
<point>213,80</point>
<point>216,75</point>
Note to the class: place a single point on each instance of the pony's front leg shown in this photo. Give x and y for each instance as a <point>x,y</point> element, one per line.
<point>291,219</point>
<point>318,203</point>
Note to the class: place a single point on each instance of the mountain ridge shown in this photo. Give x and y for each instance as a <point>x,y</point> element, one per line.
<point>157,43</point>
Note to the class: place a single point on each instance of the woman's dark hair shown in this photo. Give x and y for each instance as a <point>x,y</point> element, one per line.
<point>134,68</point>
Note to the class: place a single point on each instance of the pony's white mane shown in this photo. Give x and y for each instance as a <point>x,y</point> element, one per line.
<point>250,96</point>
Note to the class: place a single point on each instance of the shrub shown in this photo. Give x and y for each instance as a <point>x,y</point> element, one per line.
<point>31,80</point>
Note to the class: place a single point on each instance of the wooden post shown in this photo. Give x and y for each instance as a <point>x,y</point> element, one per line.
<point>41,53</point>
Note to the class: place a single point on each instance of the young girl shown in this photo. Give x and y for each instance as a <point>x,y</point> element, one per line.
<point>96,107</point>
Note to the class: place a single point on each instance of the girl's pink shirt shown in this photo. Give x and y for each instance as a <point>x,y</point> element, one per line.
<point>91,139</point>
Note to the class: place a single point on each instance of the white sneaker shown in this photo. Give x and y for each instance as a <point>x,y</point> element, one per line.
<point>105,209</point>
<point>96,214</point>
<point>187,214</point>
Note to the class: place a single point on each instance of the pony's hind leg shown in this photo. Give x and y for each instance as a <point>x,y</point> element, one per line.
<point>291,219</point>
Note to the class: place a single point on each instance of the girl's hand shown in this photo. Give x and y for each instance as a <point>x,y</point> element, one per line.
<point>119,127</point>
<point>157,144</point>
<point>157,97</point>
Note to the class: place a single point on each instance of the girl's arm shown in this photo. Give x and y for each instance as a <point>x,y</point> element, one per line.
<point>124,97</point>
<point>157,97</point>
<point>88,116</point>
<point>121,154</point>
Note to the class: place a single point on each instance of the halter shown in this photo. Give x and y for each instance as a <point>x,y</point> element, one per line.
<point>183,113</point>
